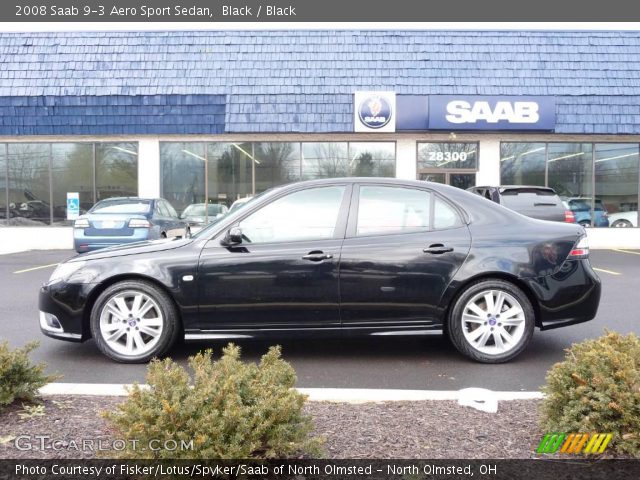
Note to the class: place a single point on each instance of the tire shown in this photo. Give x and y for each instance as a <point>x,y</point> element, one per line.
<point>114,312</point>
<point>470,313</point>
<point>622,224</point>
<point>585,223</point>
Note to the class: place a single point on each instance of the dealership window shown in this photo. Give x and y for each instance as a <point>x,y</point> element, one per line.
<point>182,173</point>
<point>598,182</point>
<point>372,159</point>
<point>230,172</point>
<point>4,192</point>
<point>616,182</point>
<point>348,159</point>
<point>29,183</point>
<point>522,163</point>
<point>116,170</point>
<point>325,160</point>
<point>448,162</point>
<point>570,169</point>
<point>39,176</point>
<point>276,163</point>
<point>236,170</point>
<point>71,171</point>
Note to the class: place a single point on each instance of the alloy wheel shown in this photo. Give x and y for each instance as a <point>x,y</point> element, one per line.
<point>493,322</point>
<point>131,323</point>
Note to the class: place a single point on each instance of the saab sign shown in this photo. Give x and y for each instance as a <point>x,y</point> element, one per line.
<point>375,112</point>
<point>452,112</point>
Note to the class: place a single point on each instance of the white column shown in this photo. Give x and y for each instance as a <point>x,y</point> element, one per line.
<point>149,168</point>
<point>406,165</point>
<point>489,163</point>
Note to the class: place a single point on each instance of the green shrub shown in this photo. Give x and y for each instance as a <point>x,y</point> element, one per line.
<point>597,389</point>
<point>233,410</point>
<point>19,378</point>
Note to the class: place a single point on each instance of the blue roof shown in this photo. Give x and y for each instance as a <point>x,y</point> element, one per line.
<point>303,81</point>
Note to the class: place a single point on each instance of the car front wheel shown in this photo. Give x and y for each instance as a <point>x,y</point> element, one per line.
<point>492,321</point>
<point>133,321</point>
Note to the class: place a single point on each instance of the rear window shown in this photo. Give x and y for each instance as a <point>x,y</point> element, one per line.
<point>529,197</point>
<point>198,210</point>
<point>121,206</point>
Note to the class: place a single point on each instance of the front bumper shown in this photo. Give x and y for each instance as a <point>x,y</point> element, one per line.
<point>62,311</point>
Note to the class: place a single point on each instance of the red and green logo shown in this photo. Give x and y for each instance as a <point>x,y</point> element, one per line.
<point>590,443</point>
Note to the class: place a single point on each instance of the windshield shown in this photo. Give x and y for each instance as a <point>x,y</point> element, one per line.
<point>121,206</point>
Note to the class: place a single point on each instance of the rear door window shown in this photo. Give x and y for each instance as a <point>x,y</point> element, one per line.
<point>387,210</point>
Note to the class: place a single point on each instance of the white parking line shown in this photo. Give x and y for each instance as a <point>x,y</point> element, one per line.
<point>346,395</point>
<point>625,251</point>
<point>611,272</point>
<point>36,268</point>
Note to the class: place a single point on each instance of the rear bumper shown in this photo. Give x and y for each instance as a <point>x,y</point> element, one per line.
<point>568,297</point>
<point>86,243</point>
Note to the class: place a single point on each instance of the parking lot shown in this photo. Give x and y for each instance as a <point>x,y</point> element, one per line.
<point>391,362</point>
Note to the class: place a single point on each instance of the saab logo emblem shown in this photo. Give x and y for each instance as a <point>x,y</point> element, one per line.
<point>374,111</point>
<point>461,111</point>
<point>574,443</point>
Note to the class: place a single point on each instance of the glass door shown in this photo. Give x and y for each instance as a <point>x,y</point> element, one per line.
<point>450,163</point>
<point>455,179</point>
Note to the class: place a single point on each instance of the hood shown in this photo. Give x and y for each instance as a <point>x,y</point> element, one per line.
<point>147,246</point>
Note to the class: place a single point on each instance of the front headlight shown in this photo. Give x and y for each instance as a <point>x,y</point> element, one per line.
<point>65,270</point>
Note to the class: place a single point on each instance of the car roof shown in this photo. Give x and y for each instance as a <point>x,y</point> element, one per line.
<point>514,186</point>
<point>133,199</point>
<point>377,180</point>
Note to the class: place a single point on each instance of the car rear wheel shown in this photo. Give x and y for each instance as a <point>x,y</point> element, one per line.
<point>622,224</point>
<point>133,321</point>
<point>492,321</point>
<point>585,223</point>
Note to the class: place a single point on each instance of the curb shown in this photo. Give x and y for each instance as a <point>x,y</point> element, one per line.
<point>343,395</point>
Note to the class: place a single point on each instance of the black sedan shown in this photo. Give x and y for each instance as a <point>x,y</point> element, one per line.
<point>339,256</point>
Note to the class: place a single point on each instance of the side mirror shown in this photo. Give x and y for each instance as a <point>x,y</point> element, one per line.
<point>233,236</point>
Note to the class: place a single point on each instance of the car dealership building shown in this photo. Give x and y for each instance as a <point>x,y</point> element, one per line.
<point>195,116</point>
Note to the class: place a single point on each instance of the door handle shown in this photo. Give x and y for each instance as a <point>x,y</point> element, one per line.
<point>317,256</point>
<point>437,249</point>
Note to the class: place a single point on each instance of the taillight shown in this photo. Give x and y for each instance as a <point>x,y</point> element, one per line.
<point>569,217</point>
<point>580,249</point>
<point>81,223</point>
<point>139,223</point>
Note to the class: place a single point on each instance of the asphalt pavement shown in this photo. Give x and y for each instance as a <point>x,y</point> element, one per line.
<point>370,362</point>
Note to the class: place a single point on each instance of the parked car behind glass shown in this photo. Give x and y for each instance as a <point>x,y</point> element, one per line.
<point>623,219</point>
<point>334,257</point>
<point>581,208</point>
<point>194,214</point>
<point>119,220</point>
<point>238,203</point>
<point>536,202</point>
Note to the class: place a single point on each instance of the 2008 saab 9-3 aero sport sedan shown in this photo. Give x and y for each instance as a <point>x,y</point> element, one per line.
<point>357,255</point>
